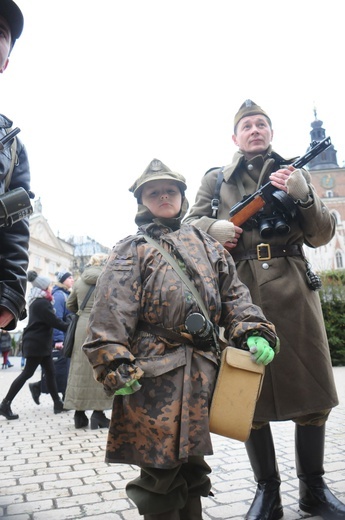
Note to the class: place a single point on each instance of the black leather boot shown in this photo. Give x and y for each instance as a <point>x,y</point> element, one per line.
<point>99,420</point>
<point>315,496</point>
<point>35,389</point>
<point>267,501</point>
<point>5,409</point>
<point>81,420</point>
<point>58,406</point>
<point>192,510</point>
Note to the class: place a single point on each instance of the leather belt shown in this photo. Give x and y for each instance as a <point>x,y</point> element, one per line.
<point>165,333</point>
<point>264,252</point>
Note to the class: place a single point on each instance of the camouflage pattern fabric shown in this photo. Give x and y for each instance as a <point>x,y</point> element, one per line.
<point>166,421</point>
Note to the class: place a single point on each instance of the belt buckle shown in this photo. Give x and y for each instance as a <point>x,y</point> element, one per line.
<point>263,252</point>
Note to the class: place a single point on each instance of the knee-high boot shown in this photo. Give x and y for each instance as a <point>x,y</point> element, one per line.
<point>170,515</point>
<point>192,510</point>
<point>315,496</point>
<point>267,501</point>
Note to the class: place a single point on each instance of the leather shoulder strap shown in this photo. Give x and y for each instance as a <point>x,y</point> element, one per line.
<point>13,161</point>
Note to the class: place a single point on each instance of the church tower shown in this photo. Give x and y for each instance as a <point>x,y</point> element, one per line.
<point>327,160</point>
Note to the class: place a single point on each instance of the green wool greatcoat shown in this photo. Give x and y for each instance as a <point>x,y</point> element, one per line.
<point>300,379</point>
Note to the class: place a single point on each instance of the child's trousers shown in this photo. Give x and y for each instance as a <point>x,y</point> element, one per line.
<point>159,490</point>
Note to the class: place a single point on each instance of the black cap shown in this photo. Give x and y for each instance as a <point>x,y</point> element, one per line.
<point>14,17</point>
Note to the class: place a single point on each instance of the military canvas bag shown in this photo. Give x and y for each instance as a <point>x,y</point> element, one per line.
<point>235,395</point>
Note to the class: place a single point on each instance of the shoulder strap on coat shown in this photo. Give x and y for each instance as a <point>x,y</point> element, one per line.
<point>216,196</point>
<point>13,161</point>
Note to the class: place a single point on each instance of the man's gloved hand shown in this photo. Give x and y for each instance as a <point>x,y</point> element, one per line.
<point>297,186</point>
<point>130,387</point>
<point>222,230</point>
<point>260,349</point>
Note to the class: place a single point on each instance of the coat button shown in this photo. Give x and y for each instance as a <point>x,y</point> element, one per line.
<point>250,167</point>
<point>265,265</point>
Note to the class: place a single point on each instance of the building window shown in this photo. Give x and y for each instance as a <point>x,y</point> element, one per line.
<point>329,194</point>
<point>37,262</point>
<point>339,260</point>
<point>52,267</point>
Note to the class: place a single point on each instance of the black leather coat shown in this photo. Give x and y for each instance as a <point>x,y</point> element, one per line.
<point>14,240</point>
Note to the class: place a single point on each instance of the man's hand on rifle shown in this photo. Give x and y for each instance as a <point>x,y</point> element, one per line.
<point>280,177</point>
<point>225,232</point>
<point>291,181</point>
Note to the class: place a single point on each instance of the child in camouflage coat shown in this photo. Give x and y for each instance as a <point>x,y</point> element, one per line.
<point>139,350</point>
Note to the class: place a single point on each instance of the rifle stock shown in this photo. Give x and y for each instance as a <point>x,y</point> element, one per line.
<point>251,205</point>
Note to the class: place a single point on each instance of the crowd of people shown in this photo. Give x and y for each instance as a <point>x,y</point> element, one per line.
<point>37,343</point>
<point>134,353</point>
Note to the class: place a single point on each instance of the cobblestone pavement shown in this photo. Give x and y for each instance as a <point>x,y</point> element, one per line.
<point>51,471</point>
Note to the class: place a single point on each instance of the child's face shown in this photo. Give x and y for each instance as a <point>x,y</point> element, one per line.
<point>163,198</point>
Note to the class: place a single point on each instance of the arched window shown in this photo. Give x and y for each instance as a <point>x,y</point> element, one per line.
<point>339,260</point>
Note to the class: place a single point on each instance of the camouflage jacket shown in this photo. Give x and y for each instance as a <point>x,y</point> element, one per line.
<point>167,419</point>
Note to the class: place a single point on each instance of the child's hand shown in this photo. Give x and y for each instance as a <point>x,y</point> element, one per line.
<point>260,349</point>
<point>130,387</point>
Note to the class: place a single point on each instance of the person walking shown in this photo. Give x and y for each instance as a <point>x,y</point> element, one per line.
<point>37,343</point>
<point>83,392</point>
<point>139,348</point>
<point>5,348</point>
<point>60,293</point>
<point>268,252</point>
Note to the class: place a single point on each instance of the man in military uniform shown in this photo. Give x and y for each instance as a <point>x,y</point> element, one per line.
<point>268,253</point>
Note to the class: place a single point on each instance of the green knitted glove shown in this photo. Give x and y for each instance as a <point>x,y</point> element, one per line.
<point>260,349</point>
<point>130,388</point>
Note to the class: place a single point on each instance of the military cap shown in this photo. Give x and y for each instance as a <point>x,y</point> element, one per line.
<point>249,108</point>
<point>13,16</point>
<point>157,171</point>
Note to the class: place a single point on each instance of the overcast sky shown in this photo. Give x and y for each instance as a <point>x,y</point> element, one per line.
<point>100,88</point>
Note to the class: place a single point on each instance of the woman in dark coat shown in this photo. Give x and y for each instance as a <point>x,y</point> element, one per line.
<point>162,384</point>
<point>37,343</point>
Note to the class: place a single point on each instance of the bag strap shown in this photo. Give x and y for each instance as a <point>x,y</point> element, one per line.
<point>188,283</point>
<point>216,196</point>
<point>86,299</point>
<point>181,274</point>
<point>13,160</point>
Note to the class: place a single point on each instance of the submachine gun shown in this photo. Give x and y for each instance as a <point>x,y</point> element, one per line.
<point>251,205</point>
<point>15,204</point>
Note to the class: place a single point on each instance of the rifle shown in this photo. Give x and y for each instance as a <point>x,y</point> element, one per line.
<point>15,204</point>
<point>250,205</point>
<point>7,139</point>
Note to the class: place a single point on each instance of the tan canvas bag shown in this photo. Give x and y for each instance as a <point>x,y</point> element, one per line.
<point>235,395</point>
